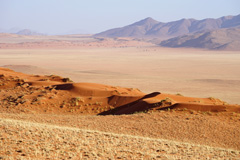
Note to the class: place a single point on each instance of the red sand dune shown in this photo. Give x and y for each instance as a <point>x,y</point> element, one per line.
<point>53,94</point>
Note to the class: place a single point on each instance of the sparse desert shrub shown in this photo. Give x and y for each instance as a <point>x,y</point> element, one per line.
<point>98,103</point>
<point>211,98</point>
<point>166,101</point>
<point>67,80</point>
<point>75,101</point>
<point>179,94</point>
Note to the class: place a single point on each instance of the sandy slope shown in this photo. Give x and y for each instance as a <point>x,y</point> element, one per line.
<point>205,128</point>
<point>44,141</point>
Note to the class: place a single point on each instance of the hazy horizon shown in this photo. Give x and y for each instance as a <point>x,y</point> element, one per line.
<point>62,17</point>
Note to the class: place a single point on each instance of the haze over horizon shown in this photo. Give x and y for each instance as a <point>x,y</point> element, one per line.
<point>62,17</point>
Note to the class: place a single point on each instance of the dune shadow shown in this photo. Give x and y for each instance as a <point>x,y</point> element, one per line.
<point>135,106</point>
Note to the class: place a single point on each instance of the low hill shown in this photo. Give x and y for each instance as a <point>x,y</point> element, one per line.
<point>40,94</point>
<point>222,39</point>
<point>28,32</point>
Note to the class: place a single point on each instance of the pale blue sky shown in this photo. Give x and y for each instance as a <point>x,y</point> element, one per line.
<point>92,16</point>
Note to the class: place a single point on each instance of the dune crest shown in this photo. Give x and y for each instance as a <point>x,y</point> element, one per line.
<point>54,94</point>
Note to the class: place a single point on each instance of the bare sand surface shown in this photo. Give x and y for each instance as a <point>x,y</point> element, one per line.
<point>196,73</point>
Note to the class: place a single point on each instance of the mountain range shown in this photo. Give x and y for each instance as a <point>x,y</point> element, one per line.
<point>222,33</point>
<point>151,28</point>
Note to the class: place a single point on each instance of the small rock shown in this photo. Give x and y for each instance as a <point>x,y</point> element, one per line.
<point>19,151</point>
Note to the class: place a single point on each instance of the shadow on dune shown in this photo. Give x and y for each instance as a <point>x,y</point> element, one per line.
<point>129,108</point>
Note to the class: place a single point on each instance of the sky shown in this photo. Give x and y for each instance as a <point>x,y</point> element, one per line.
<point>93,16</point>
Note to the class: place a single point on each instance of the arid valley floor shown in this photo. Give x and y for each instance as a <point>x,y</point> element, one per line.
<point>128,99</point>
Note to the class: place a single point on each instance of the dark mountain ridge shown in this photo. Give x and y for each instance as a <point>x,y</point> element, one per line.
<point>221,39</point>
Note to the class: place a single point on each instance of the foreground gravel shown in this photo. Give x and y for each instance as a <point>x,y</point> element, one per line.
<point>212,129</point>
<point>30,140</point>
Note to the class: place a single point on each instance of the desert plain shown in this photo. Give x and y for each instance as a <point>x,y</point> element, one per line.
<point>80,97</point>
